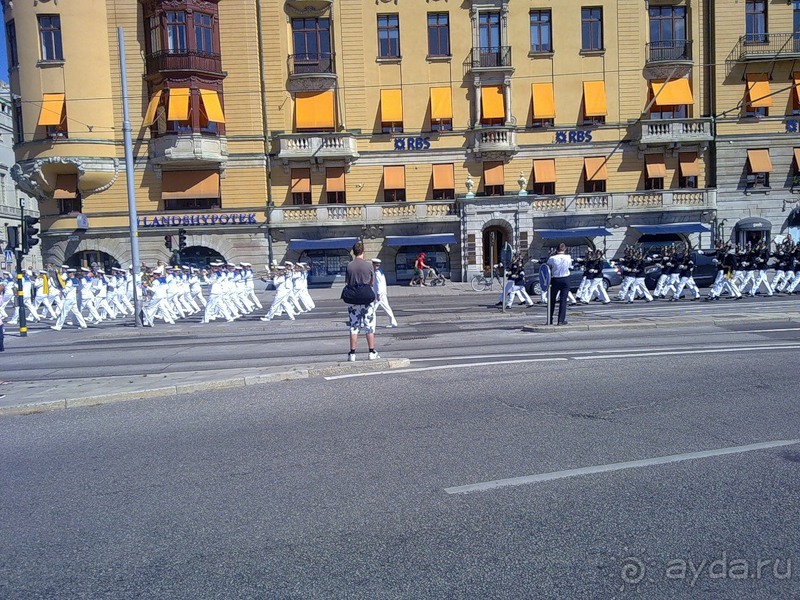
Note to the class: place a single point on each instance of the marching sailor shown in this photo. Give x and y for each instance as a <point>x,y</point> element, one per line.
<point>379,288</point>
<point>70,305</point>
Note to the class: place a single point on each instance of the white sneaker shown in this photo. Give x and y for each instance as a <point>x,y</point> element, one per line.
<point>55,327</point>
<point>265,319</point>
<point>351,357</point>
<point>373,355</point>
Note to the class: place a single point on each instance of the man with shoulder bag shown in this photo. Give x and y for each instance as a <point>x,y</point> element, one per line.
<point>359,297</point>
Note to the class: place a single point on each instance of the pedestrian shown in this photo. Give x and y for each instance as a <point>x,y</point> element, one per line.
<point>560,265</point>
<point>381,298</point>
<point>360,299</point>
<point>2,289</point>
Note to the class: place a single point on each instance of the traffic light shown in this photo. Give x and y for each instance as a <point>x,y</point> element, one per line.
<point>181,239</point>
<point>168,242</point>
<point>12,235</point>
<point>29,233</point>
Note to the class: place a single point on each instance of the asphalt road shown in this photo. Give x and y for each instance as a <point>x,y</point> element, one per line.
<point>349,487</point>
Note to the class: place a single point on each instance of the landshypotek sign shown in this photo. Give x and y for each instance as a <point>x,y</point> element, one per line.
<point>212,220</point>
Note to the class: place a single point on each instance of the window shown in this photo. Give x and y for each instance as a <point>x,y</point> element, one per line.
<point>595,187</point>
<point>176,32</point>
<point>689,170</point>
<point>756,22</point>
<point>67,206</point>
<point>592,28</point>
<point>541,38</point>
<point>667,111</point>
<point>388,36</point>
<point>301,186</point>
<point>19,132</point>
<point>438,34</point>
<point>759,95</point>
<point>759,166</point>
<point>594,103</point>
<point>595,174</point>
<point>544,189</point>
<point>11,36</point>
<point>441,109</point>
<point>544,176</point>
<point>335,186</point>
<point>203,30</point>
<point>155,34</point>
<point>394,184</point>
<point>50,37</point>
<point>312,40</point>
<point>391,111</point>
<point>653,183</point>
<point>544,107</point>
<point>668,33</point>
<point>493,108</point>
<point>444,186</point>
<point>493,179</point>
<point>489,33</point>
<point>796,25</point>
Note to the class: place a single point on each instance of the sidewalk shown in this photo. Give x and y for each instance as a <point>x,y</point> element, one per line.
<point>39,396</point>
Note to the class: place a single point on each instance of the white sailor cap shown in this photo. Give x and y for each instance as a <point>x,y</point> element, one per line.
<point>117,269</point>
<point>288,262</point>
<point>280,268</point>
<point>244,264</point>
<point>184,268</point>
<point>302,264</point>
<point>72,270</point>
<point>85,270</point>
<point>65,267</point>
<point>158,271</point>
<point>42,272</point>
<point>215,264</point>
<point>101,272</point>
<point>230,265</point>
<point>377,261</point>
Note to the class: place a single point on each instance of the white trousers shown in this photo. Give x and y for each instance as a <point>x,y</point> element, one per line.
<point>639,288</point>
<point>759,280</point>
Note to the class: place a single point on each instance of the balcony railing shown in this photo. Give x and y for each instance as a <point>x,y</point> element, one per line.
<point>490,57</point>
<point>680,200</point>
<point>364,214</point>
<point>188,149</point>
<point>317,63</point>
<point>671,131</point>
<point>305,146</point>
<point>172,60</point>
<point>669,51</point>
<point>493,139</point>
<point>766,46</point>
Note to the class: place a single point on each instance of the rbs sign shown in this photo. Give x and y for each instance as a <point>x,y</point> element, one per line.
<point>412,143</point>
<point>573,137</point>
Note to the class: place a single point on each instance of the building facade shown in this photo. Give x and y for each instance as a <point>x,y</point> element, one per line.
<point>10,196</point>
<point>288,129</point>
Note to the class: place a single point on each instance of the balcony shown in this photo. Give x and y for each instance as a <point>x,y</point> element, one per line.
<point>489,59</point>
<point>668,52</point>
<point>317,147</point>
<point>764,47</point>
<point>675,131</point>
<point>658,200</point>
<point>186,149</point>
<point>307,64</point>
<point>364,214</point>
<point>500,141</point>
<point>170,61</point>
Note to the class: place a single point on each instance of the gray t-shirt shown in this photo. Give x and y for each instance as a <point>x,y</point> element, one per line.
<point>359,271</point>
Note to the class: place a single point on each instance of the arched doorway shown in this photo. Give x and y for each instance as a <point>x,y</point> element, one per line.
<point>198,257</point>
<point>494,239</point>
<point>92,258</point>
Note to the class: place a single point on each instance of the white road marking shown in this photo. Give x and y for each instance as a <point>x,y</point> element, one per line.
<point>684,352</point>
<point>634,464</point>
<point>445,367</point>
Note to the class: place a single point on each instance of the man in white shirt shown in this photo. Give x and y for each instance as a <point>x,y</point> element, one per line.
<point>560,265</point>
<point>379,287</point>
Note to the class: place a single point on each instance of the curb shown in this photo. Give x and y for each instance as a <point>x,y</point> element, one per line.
<point>219,384</point>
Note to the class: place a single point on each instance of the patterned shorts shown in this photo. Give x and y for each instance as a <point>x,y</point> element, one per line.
<point>362,318</point>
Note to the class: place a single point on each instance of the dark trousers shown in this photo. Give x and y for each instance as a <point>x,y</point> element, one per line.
<point>1,338</point>
<point>559,286</point>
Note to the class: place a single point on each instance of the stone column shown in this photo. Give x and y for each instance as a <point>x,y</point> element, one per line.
<point>476,117</point>
<point>507,99</point>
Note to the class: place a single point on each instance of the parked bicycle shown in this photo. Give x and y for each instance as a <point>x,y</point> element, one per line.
<point>484,282</point>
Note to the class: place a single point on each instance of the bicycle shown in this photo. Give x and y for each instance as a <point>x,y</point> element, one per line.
<point>435,278</point>
<point>483,282</point>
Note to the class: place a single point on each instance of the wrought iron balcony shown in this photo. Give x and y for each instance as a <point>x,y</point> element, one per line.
<point>668,51</point>
<point>490,57</point>
<point>675,131</point>
<point>311,63</point>
<point>766,46</point>
<point>172,60</point>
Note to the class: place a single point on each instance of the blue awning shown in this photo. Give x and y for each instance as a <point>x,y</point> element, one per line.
<point>578,232</point>
<point>672,228</point>
<point>323,244</point>
<point>420,240</point>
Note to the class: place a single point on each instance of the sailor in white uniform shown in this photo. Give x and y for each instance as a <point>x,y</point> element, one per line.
<point>70,306</point>
<point>379,287</point>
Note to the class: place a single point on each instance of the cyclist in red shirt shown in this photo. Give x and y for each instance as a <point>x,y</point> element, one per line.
<point>422,270</point>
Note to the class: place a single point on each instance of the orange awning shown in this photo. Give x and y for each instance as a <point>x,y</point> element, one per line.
<point>314,110</point>
<point>394,178</point>
<point>672,93</point>
<point>797,158</point>
<point>212,105</point>
<point>654,164</point>
<point>690,166</point>
<point>595,167</point>
<point>301,181</point>
<point>443,177</point>
<point>544,170</point>
<point>493,102</point>
<point>391,106</point>
<point>179,104</point>
<point>66,187</point>
<point>52,112</point>
<point>758,90</point>
<point>150,115</point>
<point>544,105</point>
<point>796,78</point>
<point>493,174</point>
<point>176,185</point>
<point>759,161</point>
<point>334,179</point>
<point>594,98</point>
<point>441,103</point>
